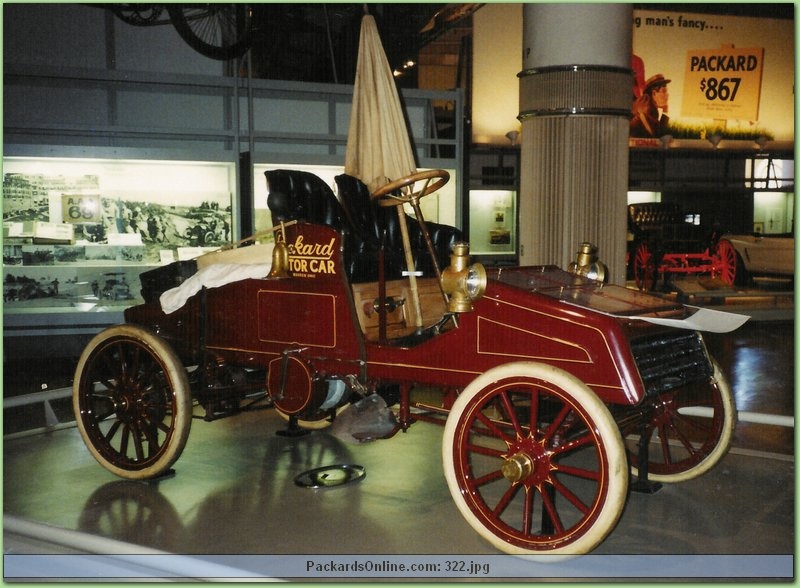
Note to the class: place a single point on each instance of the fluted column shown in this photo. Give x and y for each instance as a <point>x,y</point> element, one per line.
<point>575,99</point>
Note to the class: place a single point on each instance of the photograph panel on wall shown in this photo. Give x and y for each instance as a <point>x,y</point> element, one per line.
<point>70,287</point>
<point>105,221</point>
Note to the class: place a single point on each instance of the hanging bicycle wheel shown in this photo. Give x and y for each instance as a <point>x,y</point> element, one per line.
<point>218,31</point>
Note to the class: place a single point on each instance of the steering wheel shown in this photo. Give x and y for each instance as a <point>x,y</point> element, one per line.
<point>390,195</point>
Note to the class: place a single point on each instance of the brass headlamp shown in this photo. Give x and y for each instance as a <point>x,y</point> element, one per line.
<point>463,283</point>
<point>587,265</point>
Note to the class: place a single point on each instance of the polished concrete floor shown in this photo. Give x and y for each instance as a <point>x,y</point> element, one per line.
<point>233,489</point>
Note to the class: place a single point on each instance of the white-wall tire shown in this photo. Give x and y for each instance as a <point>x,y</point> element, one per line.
<point>578,455</point>
<point>690,441</point>
<point>132,402</point>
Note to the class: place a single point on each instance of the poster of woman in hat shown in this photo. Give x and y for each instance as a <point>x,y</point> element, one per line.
<point>649,112</point>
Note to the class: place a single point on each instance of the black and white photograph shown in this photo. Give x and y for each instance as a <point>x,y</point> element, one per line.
<point>112,205</point>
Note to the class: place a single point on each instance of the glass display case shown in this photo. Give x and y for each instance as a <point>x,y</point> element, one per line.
<point>493,216</point>
<point>492,205</point>
<point>77,232</point>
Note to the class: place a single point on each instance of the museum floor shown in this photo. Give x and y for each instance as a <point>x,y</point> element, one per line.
<point>233,490</point>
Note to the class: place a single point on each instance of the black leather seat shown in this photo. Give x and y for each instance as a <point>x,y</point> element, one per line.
<point>298,195</point>
<point>374,223</point>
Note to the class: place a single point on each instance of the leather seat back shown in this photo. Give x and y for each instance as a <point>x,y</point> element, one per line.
<point>375,223</point>
<point>364,224</point>
<point>299,195</point>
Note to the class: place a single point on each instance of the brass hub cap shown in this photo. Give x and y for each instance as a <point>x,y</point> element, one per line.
<point>527,462</point>
<point>517,467</point>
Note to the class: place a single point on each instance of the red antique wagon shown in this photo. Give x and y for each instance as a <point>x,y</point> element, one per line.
<point>665,242</point>
<point>554,386</point>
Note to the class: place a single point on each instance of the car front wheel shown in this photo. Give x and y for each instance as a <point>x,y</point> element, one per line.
<point>534,461</point>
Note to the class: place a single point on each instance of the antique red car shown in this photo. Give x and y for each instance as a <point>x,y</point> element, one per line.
<point>554,388</point>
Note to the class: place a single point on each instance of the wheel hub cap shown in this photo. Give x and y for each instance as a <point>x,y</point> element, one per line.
<point>517,467</point>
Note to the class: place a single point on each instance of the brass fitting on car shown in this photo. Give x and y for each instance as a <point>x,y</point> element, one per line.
<point>587,265</point>
<point>280,255</point>
<point>461,282</point>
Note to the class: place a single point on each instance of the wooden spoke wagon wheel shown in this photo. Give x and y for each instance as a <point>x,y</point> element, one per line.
<point>534,461</point>
<point>644,268</point>
<point>726,262</point>
<point>132,402</point>
<point>690,430</point>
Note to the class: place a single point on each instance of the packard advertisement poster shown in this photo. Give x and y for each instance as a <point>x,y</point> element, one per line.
<point>702,79</point>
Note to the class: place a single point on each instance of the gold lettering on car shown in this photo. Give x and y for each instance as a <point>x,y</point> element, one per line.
<point>310,259</point>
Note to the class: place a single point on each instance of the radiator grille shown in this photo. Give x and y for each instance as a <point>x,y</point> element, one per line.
<point>670,360</point>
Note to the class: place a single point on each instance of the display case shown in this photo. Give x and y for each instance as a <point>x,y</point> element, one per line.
<point>77,232</point>
<point>492,207</point>
<point>493,216</point>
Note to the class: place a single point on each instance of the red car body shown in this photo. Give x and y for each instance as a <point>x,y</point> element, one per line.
<point>552,384</point>
<point>538,313</point>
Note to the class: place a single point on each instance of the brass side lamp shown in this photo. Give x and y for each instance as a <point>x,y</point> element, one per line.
<point>461,282</point>
<point>587,265</point>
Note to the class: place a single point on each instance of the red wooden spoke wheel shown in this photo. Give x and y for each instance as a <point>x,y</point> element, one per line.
<point>725,262</point>
<point>132,402</point>
<point>534,461</point>
<point>690,431</point>
<point>644,268</point>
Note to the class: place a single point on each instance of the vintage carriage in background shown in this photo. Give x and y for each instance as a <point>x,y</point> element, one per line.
<point>666,241</point>
<point>554,388</point>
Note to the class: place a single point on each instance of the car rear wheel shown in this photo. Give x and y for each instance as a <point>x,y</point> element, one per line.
<point>534,461</point>
<point>690,430</point>
<point>729,265</point>
<point>132,402</point>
